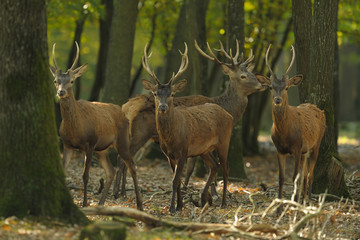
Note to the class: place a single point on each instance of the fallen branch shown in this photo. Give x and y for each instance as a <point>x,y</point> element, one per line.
<point>152,221</point>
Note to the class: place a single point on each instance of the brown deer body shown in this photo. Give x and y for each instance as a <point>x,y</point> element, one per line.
<point>296,130</point>
<point>91,127</point>
<point>140,110</point>
<point>189,131</point>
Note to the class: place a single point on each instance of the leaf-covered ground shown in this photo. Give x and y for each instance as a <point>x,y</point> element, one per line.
<point>248,202</point>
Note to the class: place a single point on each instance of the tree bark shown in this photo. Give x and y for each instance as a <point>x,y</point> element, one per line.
<point>121,44</point>
<point>32,180</point>
<point>235,31</point>
<point>105,25</point>
<point>318,83</point>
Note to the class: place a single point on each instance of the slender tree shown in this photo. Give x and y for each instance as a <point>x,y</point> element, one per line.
<point>315,34</point>
<point>32,181</point>
<point>120,52</point>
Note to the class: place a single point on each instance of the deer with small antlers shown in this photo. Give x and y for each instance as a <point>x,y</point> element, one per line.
<point>91,127</point>
<point>296,130</point>
<point>188,131</point>
<point>242,82</point>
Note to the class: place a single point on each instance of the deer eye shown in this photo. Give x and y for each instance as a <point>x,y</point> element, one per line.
<point>155,94</point>
<point>55,81</point>
<point>242,76</point>
<point>270,87</point>
<point>72,81</point>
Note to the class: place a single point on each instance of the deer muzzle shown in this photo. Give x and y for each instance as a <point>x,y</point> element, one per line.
<point>163,108</point>
<point>277,100</point>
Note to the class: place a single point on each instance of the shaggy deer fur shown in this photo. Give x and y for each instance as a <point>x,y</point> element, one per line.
<point>296,130</point>
<point>242,82</point>
<point>91,127</point>
<point>189,131</point>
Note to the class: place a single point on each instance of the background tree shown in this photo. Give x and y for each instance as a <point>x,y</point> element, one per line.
<point>32,181</point>
<point>235,31</point>
<point>315,35</point>
<point>120,52</point>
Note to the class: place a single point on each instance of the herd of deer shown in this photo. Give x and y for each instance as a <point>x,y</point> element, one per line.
<point>185,126</point>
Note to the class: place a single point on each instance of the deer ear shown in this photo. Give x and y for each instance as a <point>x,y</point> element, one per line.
<point>148,85</point>
<point>178,87</point>
<point>263,79</point>
<point>52,70</point>
<point>80,70</point>
<point>250,68</point>
<point>226,69</point>
<point>294,81</point>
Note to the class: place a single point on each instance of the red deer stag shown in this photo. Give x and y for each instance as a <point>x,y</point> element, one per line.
<point>296,130</point>
<point>189,131</point>
<point>91,127</point>
<point>140,110</point>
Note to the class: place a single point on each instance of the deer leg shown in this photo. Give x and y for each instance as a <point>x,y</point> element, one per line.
<point>299,162</point>
<point>214,183</point>
<point>304,177</point>
<point>85,176</point>
<point>176,185</point>
<point>189,169</point>
<point>120,179</point>
<point>67,154</point>
<point>313,158</point>
<point>105,163</point>
<point>222,153</point>
<point>282,163</point>
<point>213,170</point>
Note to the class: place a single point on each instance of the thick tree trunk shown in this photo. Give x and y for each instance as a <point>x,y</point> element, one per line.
<point>121,44</point>
<point>32,180</point>
<point>103,50</point>
<point>318,85</point>
<point>235,30</point>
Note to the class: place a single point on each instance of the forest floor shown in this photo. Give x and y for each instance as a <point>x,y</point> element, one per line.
<point>248,203</point>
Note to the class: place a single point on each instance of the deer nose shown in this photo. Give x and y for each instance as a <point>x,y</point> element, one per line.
<point>277,100</point>
<point>61,93</point>
<point>163,108</point>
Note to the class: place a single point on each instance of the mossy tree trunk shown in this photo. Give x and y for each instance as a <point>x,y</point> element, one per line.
<point>235,30</point>
<point>32,180</point>
<point>120,52</point>
<point>315,50</point>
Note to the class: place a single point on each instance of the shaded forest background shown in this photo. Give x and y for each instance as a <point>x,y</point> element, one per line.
<point>157,24</point>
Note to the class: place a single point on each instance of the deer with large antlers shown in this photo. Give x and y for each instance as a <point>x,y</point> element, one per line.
<point>188,131</point>
<point>242,82</point>
<point>296,130</point>
<point>91,127</point>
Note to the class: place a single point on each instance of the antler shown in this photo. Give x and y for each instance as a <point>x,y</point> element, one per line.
<point>292,60</point>
<point>234,60</point>
<point>76,58</point>
<point>183,66</point>
<point>213,58</point>
<point>146,66</point>
<point>53,55</point>
<point>266,60</point>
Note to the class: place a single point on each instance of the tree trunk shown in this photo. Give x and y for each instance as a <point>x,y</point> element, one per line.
<point>235,30</point>
<point>32,180</point>
<point>121,44</point>
<point>103,51</point>
<point>318,85</point>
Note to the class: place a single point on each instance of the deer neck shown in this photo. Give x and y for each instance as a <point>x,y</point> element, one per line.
<point>280,114</point>
<point>165,122</point>
<point>233,101</point>
<point>69,109</point>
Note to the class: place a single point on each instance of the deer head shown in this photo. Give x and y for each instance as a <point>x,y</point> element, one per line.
<point>164,93</point>
<point>239,71</point>
<point>64,81</point>
<point>279,86</point>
